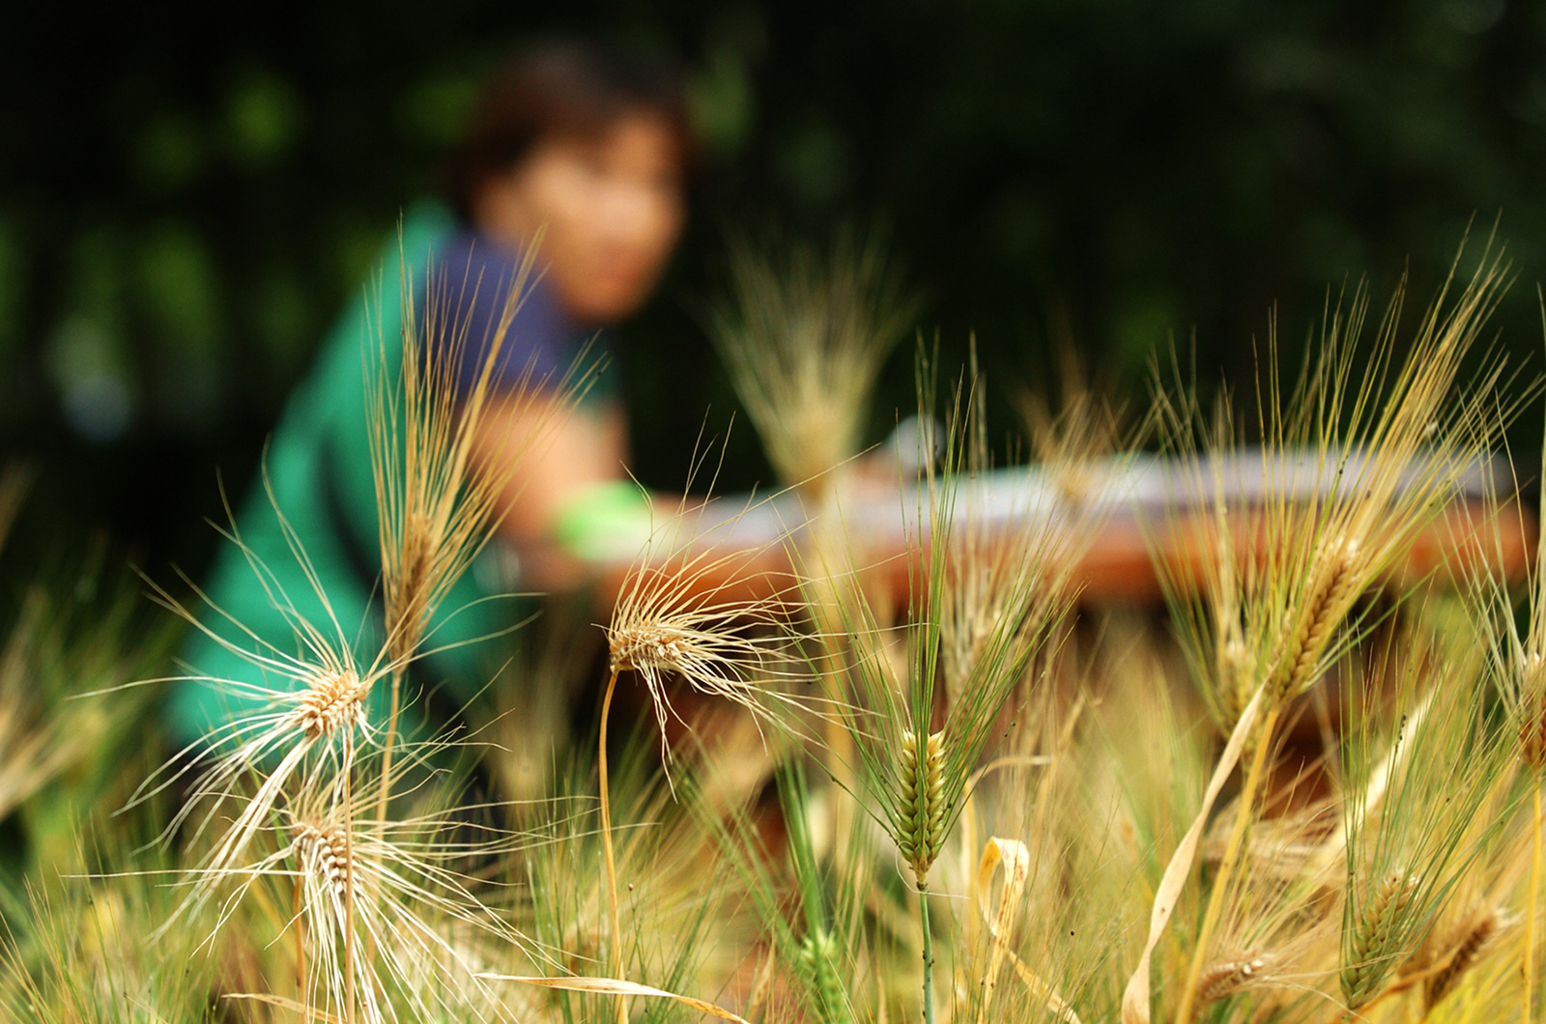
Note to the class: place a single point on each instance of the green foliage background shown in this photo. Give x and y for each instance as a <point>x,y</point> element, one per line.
<point>188,195</point>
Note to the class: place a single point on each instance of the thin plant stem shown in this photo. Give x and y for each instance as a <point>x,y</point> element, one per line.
<point>386,748</point>
<point>349,951</point>
<point>832,557</point>
<point>606,844</point>
<point>1226,869</point>
<point>928,952</point>
<point>301,986</point>
<point>1528,1003</point>
<point>839,746</point>
<point>386,768</point>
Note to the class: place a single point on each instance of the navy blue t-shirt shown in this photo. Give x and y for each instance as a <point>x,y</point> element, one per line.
<point>463,299</point>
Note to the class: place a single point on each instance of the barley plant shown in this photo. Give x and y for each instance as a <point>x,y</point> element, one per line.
<point>865,748</point>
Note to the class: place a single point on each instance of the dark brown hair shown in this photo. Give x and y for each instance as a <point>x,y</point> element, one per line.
<point>551,89</point>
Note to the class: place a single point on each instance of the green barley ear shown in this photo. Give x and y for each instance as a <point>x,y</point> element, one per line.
<point>814,906</point>
<point>1423,801</point>
<point>921,796</point>
<point>827,899</point>
<point>818,960</point>
<point>919,723</point>
<point>1376,935</point>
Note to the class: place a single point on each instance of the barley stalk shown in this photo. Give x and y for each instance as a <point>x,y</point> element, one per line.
<point>606,842</point>
<point>928,952</point>
<point>302,972</point>
<point>346,850</point>
<point>1527,997</point>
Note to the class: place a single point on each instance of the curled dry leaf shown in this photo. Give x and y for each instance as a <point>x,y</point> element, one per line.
<point>1015,859</point>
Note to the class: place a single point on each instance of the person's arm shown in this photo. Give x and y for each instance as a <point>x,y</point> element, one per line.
<point>556,453</point>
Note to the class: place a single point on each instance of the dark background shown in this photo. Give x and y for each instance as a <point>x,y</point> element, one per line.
<point>188,197</point>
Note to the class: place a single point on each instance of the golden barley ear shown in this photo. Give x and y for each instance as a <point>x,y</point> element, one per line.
<point>1225,978</point>
<point>439,495</point>
<point>384,916</point>
<point>1356,461</point>
<point>438,501</point>
<point>1376,936</point>
<point>1466,945</point>
<point>1071,434</point>
<point>697,605</point>
<point>1335,574</point>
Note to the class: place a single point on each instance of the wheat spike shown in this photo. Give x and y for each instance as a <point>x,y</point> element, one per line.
<point>1373,936</point>
<point>1227,977</point>
<point>818,960</point>
<point>1532,715</point>
<point>922,800</point>
<point>333,700</point>
<point>1332,576</point>
<point>1467,945</point>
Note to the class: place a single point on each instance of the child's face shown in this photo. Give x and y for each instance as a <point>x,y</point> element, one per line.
<point>612,208</point>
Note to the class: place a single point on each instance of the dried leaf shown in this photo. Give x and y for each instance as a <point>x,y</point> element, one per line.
<point>310,1012</point>
<point>1013,856</point>
<point>614,987</point>
<point>1135,1000</point>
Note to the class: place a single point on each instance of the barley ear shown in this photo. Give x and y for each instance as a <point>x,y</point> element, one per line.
<point>1532,710</point>
<point>1333,576</point>
<point>819,963</point>
<point>1226,977</point>
<point>1467,946</point>
<point>922,801</point>
<point>1376,932</point>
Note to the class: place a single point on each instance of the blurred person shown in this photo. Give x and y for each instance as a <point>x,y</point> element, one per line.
<point>581,145</point>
